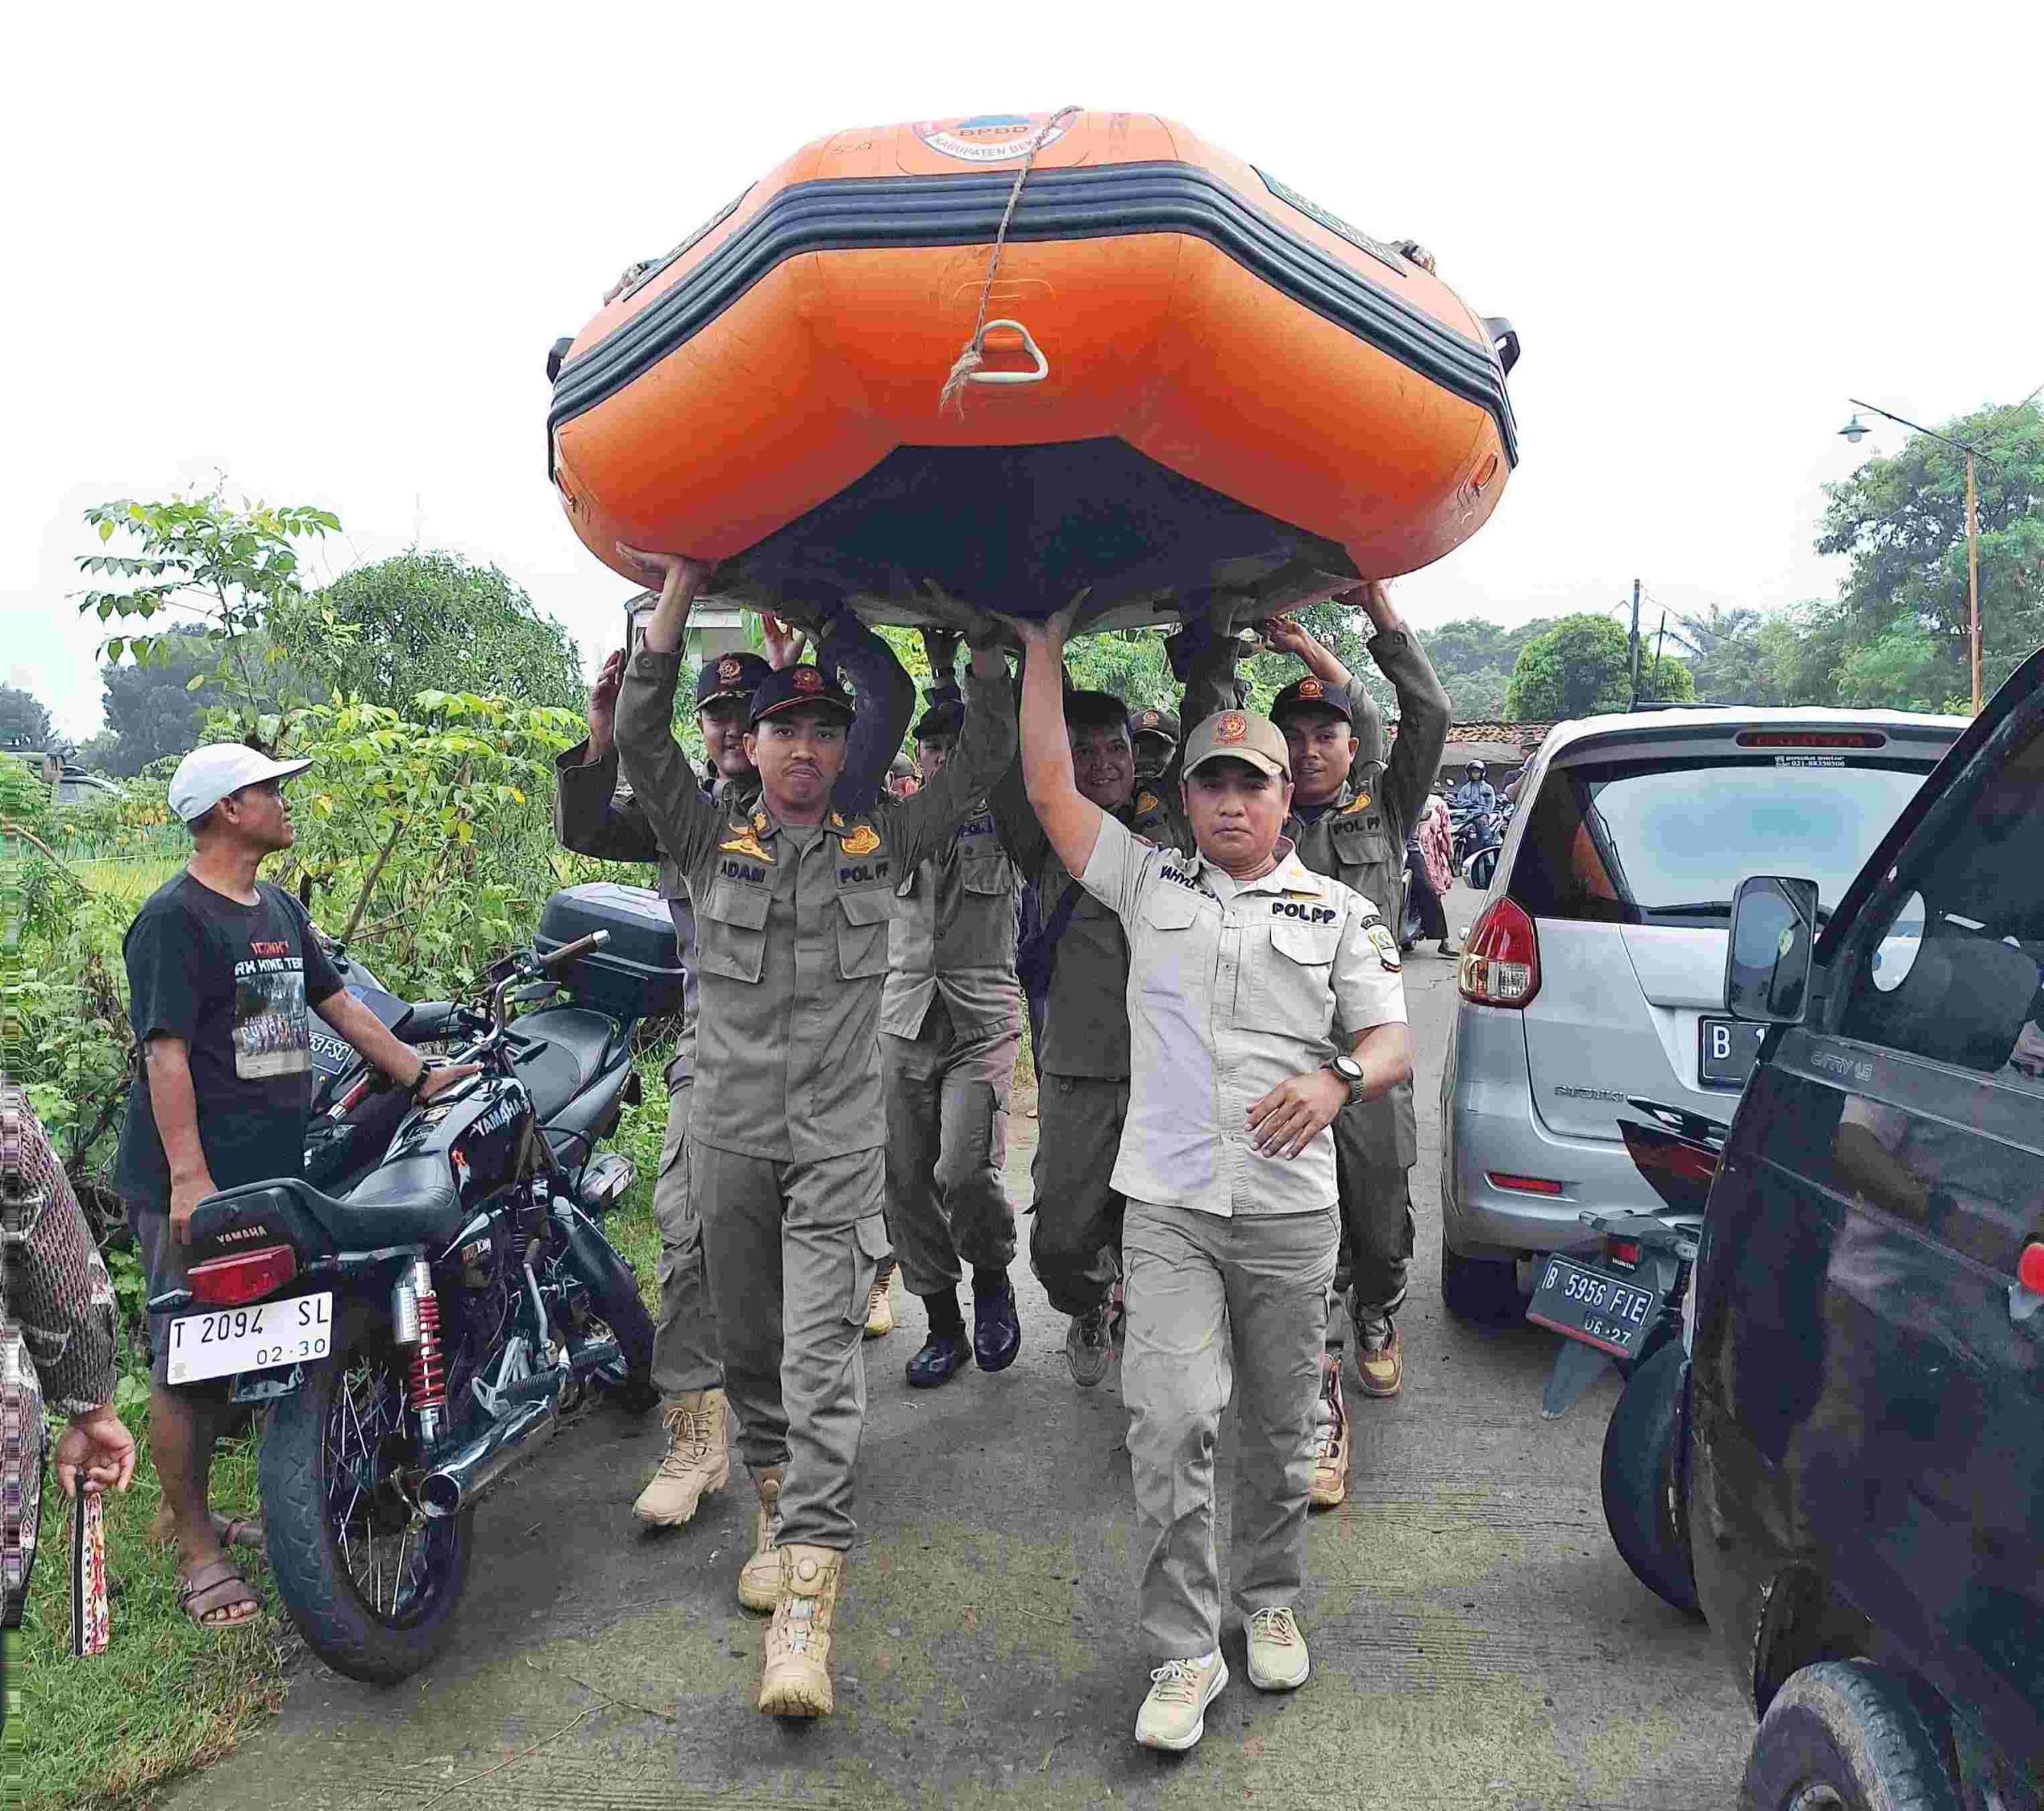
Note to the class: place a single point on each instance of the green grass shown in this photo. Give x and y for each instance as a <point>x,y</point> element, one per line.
<point>165,1697</point>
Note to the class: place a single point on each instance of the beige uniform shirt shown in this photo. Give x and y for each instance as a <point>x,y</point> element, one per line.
<point>1233,987</point>
<point>791,925</point>
<point>953,936</point>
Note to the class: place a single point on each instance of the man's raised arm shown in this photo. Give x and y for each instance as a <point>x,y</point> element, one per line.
<point>886,699</point>
<point>1070,820</point>
<point>1424,709</point>
<point>985,748</point>
<point>685,821</point>
<point>590,815</point>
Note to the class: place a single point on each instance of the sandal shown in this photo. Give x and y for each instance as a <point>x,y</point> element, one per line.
<point>206,1593</point>
<point>228,1531</point>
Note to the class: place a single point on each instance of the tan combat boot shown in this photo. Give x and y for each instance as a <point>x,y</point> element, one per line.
<point>795,1681</point>
<point>880,1305</point>
<point>759,1578</point>
<point>699,1458</point>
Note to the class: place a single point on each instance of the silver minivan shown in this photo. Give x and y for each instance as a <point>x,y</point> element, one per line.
<point>1594,972</point>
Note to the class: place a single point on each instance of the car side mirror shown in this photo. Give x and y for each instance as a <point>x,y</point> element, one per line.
<point>1767,958</point>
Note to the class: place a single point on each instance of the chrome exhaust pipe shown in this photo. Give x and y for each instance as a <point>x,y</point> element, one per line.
<point>461,1481</point>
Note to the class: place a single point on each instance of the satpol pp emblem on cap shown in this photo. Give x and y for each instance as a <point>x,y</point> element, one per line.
<point>1233,728</point>
<point>727,672</point>
<point>1309,688</point>
<point>808,678</point>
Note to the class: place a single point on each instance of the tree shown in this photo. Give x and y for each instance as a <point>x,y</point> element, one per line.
<point>1583,665</point>
<point>1725,650</point>
<point>430,622</point>
<point>1902,523</point>
<point>153,710</point>
<point>23,720</point>
<point>227,567</point>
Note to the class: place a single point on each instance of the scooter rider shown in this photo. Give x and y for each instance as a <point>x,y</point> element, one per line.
<point>793,901</point>
<point>1476,793</point>
<point>592,817</point>
<point>1350,822</point>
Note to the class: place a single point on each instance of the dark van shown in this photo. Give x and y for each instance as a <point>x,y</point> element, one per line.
<point>1857,1459</point>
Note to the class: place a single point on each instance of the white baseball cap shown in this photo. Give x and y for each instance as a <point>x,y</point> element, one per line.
<point>207,775</point>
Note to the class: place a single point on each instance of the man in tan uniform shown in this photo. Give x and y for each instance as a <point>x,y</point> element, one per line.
<point>793,904</point>
<point>1262,999</point>
<point>592,817</point>
<point>1348,821</point>
<point>950,1024</point>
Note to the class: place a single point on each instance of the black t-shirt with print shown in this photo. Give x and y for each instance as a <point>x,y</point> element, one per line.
<point>236,984</point>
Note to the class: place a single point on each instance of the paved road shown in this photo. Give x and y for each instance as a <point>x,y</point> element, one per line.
<point>1475,1640</point>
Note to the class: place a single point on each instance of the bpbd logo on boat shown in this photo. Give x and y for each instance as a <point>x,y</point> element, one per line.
<point>987,138</point>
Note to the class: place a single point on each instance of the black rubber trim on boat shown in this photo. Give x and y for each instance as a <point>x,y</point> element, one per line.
<point>1112,201</point>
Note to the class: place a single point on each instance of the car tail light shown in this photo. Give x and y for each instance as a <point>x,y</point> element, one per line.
<point>1811,739</point>
<point>2029,1269</point>
<point>1500,963</point>
<point>1624,1251</point>
<point>242,1276</point>
<point>1526,1185</point>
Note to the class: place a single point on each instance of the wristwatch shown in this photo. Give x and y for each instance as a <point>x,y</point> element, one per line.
<point>1351,1071</point>
<point>419,1081</point>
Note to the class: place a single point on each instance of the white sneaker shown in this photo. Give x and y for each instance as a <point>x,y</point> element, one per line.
<point>1278,1657</point>
<point>1173,1715</point>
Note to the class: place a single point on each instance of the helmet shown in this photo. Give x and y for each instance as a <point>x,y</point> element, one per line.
<point>1476,770</point>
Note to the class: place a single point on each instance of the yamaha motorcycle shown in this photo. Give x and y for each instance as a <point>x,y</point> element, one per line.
<point>421,1330</point>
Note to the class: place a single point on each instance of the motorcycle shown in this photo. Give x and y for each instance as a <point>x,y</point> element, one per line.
<point>1627,1303</point>
<point>1482,862</point>
<point>463,1298</point>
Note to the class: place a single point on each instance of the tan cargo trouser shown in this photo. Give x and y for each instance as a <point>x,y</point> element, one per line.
<point>1075,1234</point>
<point>684,1336</point>
<point>1376,1144</point>
<point>789,1251</point>
<point>1210,1301</point>
<point>947,1141</point>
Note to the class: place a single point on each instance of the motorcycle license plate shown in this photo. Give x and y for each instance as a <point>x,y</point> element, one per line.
<point>1587,1302</point>
<point>231,1340</point>
<point>1726,1051</point>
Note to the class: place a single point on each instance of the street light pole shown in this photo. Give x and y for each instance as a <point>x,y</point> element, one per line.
<point>1854,430</point>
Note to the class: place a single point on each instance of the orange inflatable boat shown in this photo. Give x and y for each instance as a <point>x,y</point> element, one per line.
<point>1182,383</point>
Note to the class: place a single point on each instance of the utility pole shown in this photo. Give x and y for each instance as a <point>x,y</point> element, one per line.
<point>1973,579</point>
<point>1635,646</point>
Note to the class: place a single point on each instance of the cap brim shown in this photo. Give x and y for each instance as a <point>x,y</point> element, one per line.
<point>744,691</point>
<point>813,701</point>
<point>1252,757</point>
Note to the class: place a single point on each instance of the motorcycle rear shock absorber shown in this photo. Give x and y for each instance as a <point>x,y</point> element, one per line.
<point>415,1322</point>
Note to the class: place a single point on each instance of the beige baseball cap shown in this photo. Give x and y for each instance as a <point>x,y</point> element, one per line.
<point>1239,735</point>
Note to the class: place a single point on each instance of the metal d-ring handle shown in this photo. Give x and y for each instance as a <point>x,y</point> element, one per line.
<point>984,376</point>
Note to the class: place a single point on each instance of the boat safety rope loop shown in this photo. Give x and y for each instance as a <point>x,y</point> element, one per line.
<point>974,354</point>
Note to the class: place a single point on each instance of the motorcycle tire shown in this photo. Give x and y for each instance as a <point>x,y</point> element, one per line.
<point>614,1299</point>
<point>1641,1478</point>
<point>343,1422</point>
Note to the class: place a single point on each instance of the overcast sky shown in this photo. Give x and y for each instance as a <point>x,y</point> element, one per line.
<point>326,249</point>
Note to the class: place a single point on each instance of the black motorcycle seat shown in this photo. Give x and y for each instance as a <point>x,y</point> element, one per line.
<point>566,1052</point>
<point>411,1201</point>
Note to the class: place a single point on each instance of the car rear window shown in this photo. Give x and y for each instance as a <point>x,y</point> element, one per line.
<point>1667,842</point>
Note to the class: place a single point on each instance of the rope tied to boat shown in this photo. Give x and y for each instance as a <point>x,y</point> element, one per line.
<point>974,354</point>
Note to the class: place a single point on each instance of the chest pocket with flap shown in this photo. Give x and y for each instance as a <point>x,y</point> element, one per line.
<point>863,914</point>
<point>1294,988</point>
<point>1170,951</point>
<point>730,928</point>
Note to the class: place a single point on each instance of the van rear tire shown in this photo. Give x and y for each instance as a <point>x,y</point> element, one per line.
<point>1641,1474</point>
<point>1847,1733</point>
<point>1483,1290</point>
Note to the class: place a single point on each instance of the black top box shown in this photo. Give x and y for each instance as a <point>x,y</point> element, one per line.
<point>638,974</point>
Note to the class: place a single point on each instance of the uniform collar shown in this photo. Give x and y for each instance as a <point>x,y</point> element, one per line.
<point>1290,874</point>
